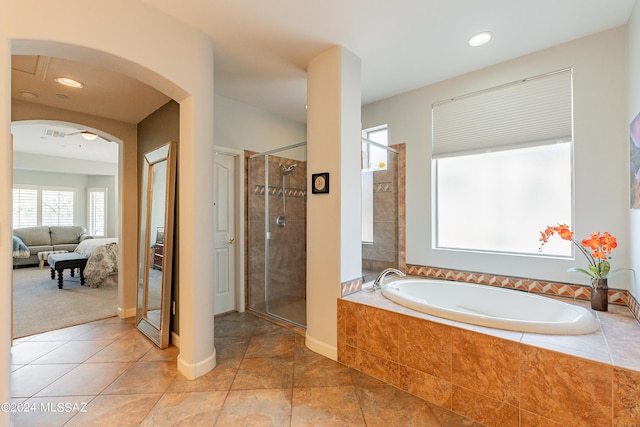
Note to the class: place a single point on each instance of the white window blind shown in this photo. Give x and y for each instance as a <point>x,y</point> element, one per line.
<point>25,207</point>
<point>522,113</point>
<point>57,207</point>
<point>97,211</point>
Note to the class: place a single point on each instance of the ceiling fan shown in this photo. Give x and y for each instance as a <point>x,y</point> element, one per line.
<point>88,135</point>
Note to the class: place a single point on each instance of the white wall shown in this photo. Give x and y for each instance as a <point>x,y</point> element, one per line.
<point>244,127</point>
<point>634,109</point>
<point>601,153</point>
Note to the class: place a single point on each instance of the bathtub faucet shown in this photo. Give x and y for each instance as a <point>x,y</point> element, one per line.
<point>377,284</point>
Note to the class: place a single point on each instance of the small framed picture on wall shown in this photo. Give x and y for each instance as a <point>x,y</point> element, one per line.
<point>320,183</point>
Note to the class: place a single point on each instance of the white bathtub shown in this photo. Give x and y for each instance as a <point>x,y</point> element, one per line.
<point>491,306</point>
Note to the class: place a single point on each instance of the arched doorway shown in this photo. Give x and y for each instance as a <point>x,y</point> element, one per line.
<point>70,181</point>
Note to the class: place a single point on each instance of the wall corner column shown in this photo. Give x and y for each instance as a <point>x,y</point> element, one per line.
<point>334,252</point>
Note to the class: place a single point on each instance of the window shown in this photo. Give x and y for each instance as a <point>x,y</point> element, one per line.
<point>97,211</point>
<point>374,158</point>
<point>57,207</point>
<point>25,207</point>
<point>33,206</point>
<point>502,163</point>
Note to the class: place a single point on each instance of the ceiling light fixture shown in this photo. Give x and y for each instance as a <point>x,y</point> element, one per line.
<point>89,136</point>
<point>480,38</point>
<point>69,82</point>
<point>28,95</point>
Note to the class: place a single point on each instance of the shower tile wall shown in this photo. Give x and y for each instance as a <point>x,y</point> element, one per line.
<point>287,247</point>
<point>383,252</point>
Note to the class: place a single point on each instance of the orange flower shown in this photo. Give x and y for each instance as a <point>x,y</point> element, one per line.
<point>600,244</point>
<point>564,232</point>
<point>592,242</point>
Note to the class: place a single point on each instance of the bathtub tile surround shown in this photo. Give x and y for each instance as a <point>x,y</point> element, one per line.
<point>545,390</point>
<point>351,286</point>
<point>497,378</point>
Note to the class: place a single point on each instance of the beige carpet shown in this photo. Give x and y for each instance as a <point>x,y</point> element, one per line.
<point>39,306</point>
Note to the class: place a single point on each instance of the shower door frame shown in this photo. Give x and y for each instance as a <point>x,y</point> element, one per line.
<point>267,229</point>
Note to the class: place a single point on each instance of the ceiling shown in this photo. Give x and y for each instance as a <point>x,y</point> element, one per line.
<point>262,48</point>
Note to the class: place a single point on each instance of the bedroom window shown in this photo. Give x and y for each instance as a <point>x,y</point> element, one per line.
<point>25,207</point>
<point>36,205</point>
<point>97,217</point>
<point>503,166</point>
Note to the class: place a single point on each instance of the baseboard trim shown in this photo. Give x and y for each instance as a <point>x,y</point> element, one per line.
<point>321,347</point>
<point>175,339</point>
<point>125,313</point>
<point>194,370</point>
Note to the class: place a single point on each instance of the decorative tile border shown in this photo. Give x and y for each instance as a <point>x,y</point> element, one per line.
<point>569,290</point>
<point>383,187</point>
<point>351,286</point>
<point>277,191</point>
<point>634,306</point>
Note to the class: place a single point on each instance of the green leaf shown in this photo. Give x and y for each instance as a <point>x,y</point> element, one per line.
<point>594,269</point>
<point>604,268</point>
<point>582,270</point>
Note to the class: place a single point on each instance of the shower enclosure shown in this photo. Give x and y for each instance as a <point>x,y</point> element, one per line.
<point>380,209</point>
<point>277,228</point>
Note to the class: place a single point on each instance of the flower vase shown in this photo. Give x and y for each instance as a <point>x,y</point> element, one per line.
<point>599,294</point>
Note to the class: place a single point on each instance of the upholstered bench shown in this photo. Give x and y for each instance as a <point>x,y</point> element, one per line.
<point>72,260</point>
<point>44,256</point>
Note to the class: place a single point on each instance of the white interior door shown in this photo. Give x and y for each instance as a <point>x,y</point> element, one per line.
<point>224,233</point>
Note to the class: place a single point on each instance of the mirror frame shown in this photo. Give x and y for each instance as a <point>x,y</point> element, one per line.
<point>159,334</point>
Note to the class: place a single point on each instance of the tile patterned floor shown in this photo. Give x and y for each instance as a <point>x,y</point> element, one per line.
<point>107,373</point>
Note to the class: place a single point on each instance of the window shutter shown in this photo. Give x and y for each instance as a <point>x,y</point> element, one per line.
<point>25,207</point>
<point>57,207</point>
<point>97,214</point>
<point>524,113</point>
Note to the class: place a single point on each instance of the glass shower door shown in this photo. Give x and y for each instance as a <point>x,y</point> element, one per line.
<point>277,233</point>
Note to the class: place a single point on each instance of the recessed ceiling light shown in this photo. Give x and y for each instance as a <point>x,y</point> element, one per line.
<point>69,82</point>
<point>480,38</point>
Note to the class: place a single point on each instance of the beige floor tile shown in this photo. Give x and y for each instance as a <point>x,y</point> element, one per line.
<point>267,372</point>
<point>106,331</point>
<point>157,354</point>
<point>144,377</point>
<point>186,409</point>
<point>384,405</point>
<point>219,378</point>
<point>271,345</point>
<point>30,379</point>
<point>234,325</point>
<point>115,410</point>
<point>29,351</point>
<point>314,370</point>
<point>86,379</point>
<point>50,411</point>
<point>231,347</point>
<point>327,406</point>
<point>64,334</point>
<point>131,349</point>
<point>249,408</point>
<point>73,352</point>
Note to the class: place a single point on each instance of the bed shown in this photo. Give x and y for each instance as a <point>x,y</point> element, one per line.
<point>102,263</point>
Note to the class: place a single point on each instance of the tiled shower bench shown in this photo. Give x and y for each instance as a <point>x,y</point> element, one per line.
<point>71,260</point>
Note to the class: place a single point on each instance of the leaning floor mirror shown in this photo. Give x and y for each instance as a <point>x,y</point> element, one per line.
<point>156,243</point>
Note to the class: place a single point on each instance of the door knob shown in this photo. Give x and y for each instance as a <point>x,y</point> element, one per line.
<point>232,240</point>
